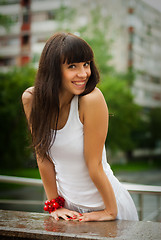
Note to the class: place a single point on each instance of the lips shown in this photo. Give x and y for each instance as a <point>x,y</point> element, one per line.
<point>79,83</point>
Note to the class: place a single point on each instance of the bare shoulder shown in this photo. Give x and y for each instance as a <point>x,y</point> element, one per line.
<point>95,99</point>
<point>94,105</point>
<point>27,95</point>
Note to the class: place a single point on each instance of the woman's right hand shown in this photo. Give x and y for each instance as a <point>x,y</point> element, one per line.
<point>65,214</point>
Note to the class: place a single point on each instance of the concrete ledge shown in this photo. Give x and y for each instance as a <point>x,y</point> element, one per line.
<point>27,226</point>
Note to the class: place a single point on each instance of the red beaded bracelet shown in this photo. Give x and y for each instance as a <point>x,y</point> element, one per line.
<point>54,204</point>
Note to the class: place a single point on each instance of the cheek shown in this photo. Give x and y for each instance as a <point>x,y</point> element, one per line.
<point>65,76</point>
<point>89,72</point>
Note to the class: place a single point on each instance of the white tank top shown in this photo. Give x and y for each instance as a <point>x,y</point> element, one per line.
<point>73,180</point>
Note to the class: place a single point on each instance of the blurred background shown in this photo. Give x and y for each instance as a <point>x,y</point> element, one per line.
<point>125,36</point>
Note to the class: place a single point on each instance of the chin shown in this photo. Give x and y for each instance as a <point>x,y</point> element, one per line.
<point>79,92</point>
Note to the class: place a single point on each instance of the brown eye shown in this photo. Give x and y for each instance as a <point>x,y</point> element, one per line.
<point>87,64</point>
<point>71,66</point>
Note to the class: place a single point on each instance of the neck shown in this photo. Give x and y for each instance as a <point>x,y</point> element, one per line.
<point>64,99</point>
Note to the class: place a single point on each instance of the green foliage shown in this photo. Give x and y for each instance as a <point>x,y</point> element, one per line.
<point>96,34</point>
<point>3,2</point>
<point>128,76</point>
<point>64,17</point>
<point>124,113</point>
<point>102,55</point>
<point>14,144</point>
<point>5,21</point>
<point>154,128</point>
<point>133,166</point>
<point>140,134</point>
<point>148,132</point>
<point>24,172</point>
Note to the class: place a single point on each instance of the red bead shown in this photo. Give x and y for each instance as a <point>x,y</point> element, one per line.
<point>46,208</point>
<point>47,202</point>
<point>49,207</point>
<point>56,205</point>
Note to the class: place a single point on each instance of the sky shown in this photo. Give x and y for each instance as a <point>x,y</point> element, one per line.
<point>154,3</point>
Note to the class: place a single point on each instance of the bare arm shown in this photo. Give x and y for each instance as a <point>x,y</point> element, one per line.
<point>95,130</point>
<point>46,167</point>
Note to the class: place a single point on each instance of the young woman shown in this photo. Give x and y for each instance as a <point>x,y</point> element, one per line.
<point>68,118</point>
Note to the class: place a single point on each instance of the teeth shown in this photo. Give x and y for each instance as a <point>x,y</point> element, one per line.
<point>79,83</point>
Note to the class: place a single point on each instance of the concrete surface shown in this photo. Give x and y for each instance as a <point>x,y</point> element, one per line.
<point>24,225</point>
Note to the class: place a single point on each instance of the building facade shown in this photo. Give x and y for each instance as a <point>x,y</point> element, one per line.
<point>134,28</point>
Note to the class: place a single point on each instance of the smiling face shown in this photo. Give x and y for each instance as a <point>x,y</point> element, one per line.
<point>75,77</point>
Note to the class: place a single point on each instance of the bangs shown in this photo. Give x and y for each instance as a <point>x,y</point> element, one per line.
<point>75,50</point>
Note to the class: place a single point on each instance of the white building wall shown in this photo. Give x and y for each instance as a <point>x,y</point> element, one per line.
<point>146,48</point>
<point>147,55</point>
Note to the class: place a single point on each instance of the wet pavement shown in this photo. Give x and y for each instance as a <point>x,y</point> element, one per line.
<point>23,225</point>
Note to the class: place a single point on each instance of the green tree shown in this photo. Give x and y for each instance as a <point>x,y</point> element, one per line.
<point>14,144</point>
<point>147,135</point>
<point>124,114</point>
<point>154,127</point>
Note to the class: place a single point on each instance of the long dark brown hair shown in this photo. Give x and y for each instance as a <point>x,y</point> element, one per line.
<point>60,48</point>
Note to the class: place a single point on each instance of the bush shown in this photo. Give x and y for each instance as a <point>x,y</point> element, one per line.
<point>14,150</point>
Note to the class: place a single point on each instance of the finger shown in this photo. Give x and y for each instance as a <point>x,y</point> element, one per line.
<point>60,213</point>
<point>55,216</point>
<point>71,215</point>
<point>65,217</point>
<point>77,214</point>
<point>74,215</point>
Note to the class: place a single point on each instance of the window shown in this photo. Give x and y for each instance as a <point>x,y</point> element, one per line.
<point>25,39</point>
<point>26,18</point>
<point>155,79</point>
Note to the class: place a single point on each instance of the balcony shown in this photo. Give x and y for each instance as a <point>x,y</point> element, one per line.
<point>138,192</point>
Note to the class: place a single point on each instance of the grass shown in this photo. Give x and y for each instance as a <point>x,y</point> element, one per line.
<point>129,167</point>
<point>135,166</point>
<point>27,172</point>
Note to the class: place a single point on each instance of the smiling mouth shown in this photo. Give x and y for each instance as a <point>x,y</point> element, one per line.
<point>79,83</point>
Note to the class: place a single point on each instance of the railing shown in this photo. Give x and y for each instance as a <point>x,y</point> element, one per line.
<point>138,189</point>
<point>22,181</point>
<point>142,190</point>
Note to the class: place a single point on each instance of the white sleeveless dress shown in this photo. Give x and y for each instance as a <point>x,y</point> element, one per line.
<point>73,180</point>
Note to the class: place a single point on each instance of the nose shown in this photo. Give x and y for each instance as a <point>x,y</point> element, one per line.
<point>82,72</point>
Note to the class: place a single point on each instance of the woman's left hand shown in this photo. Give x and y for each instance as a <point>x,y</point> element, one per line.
<point>96,216</point>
